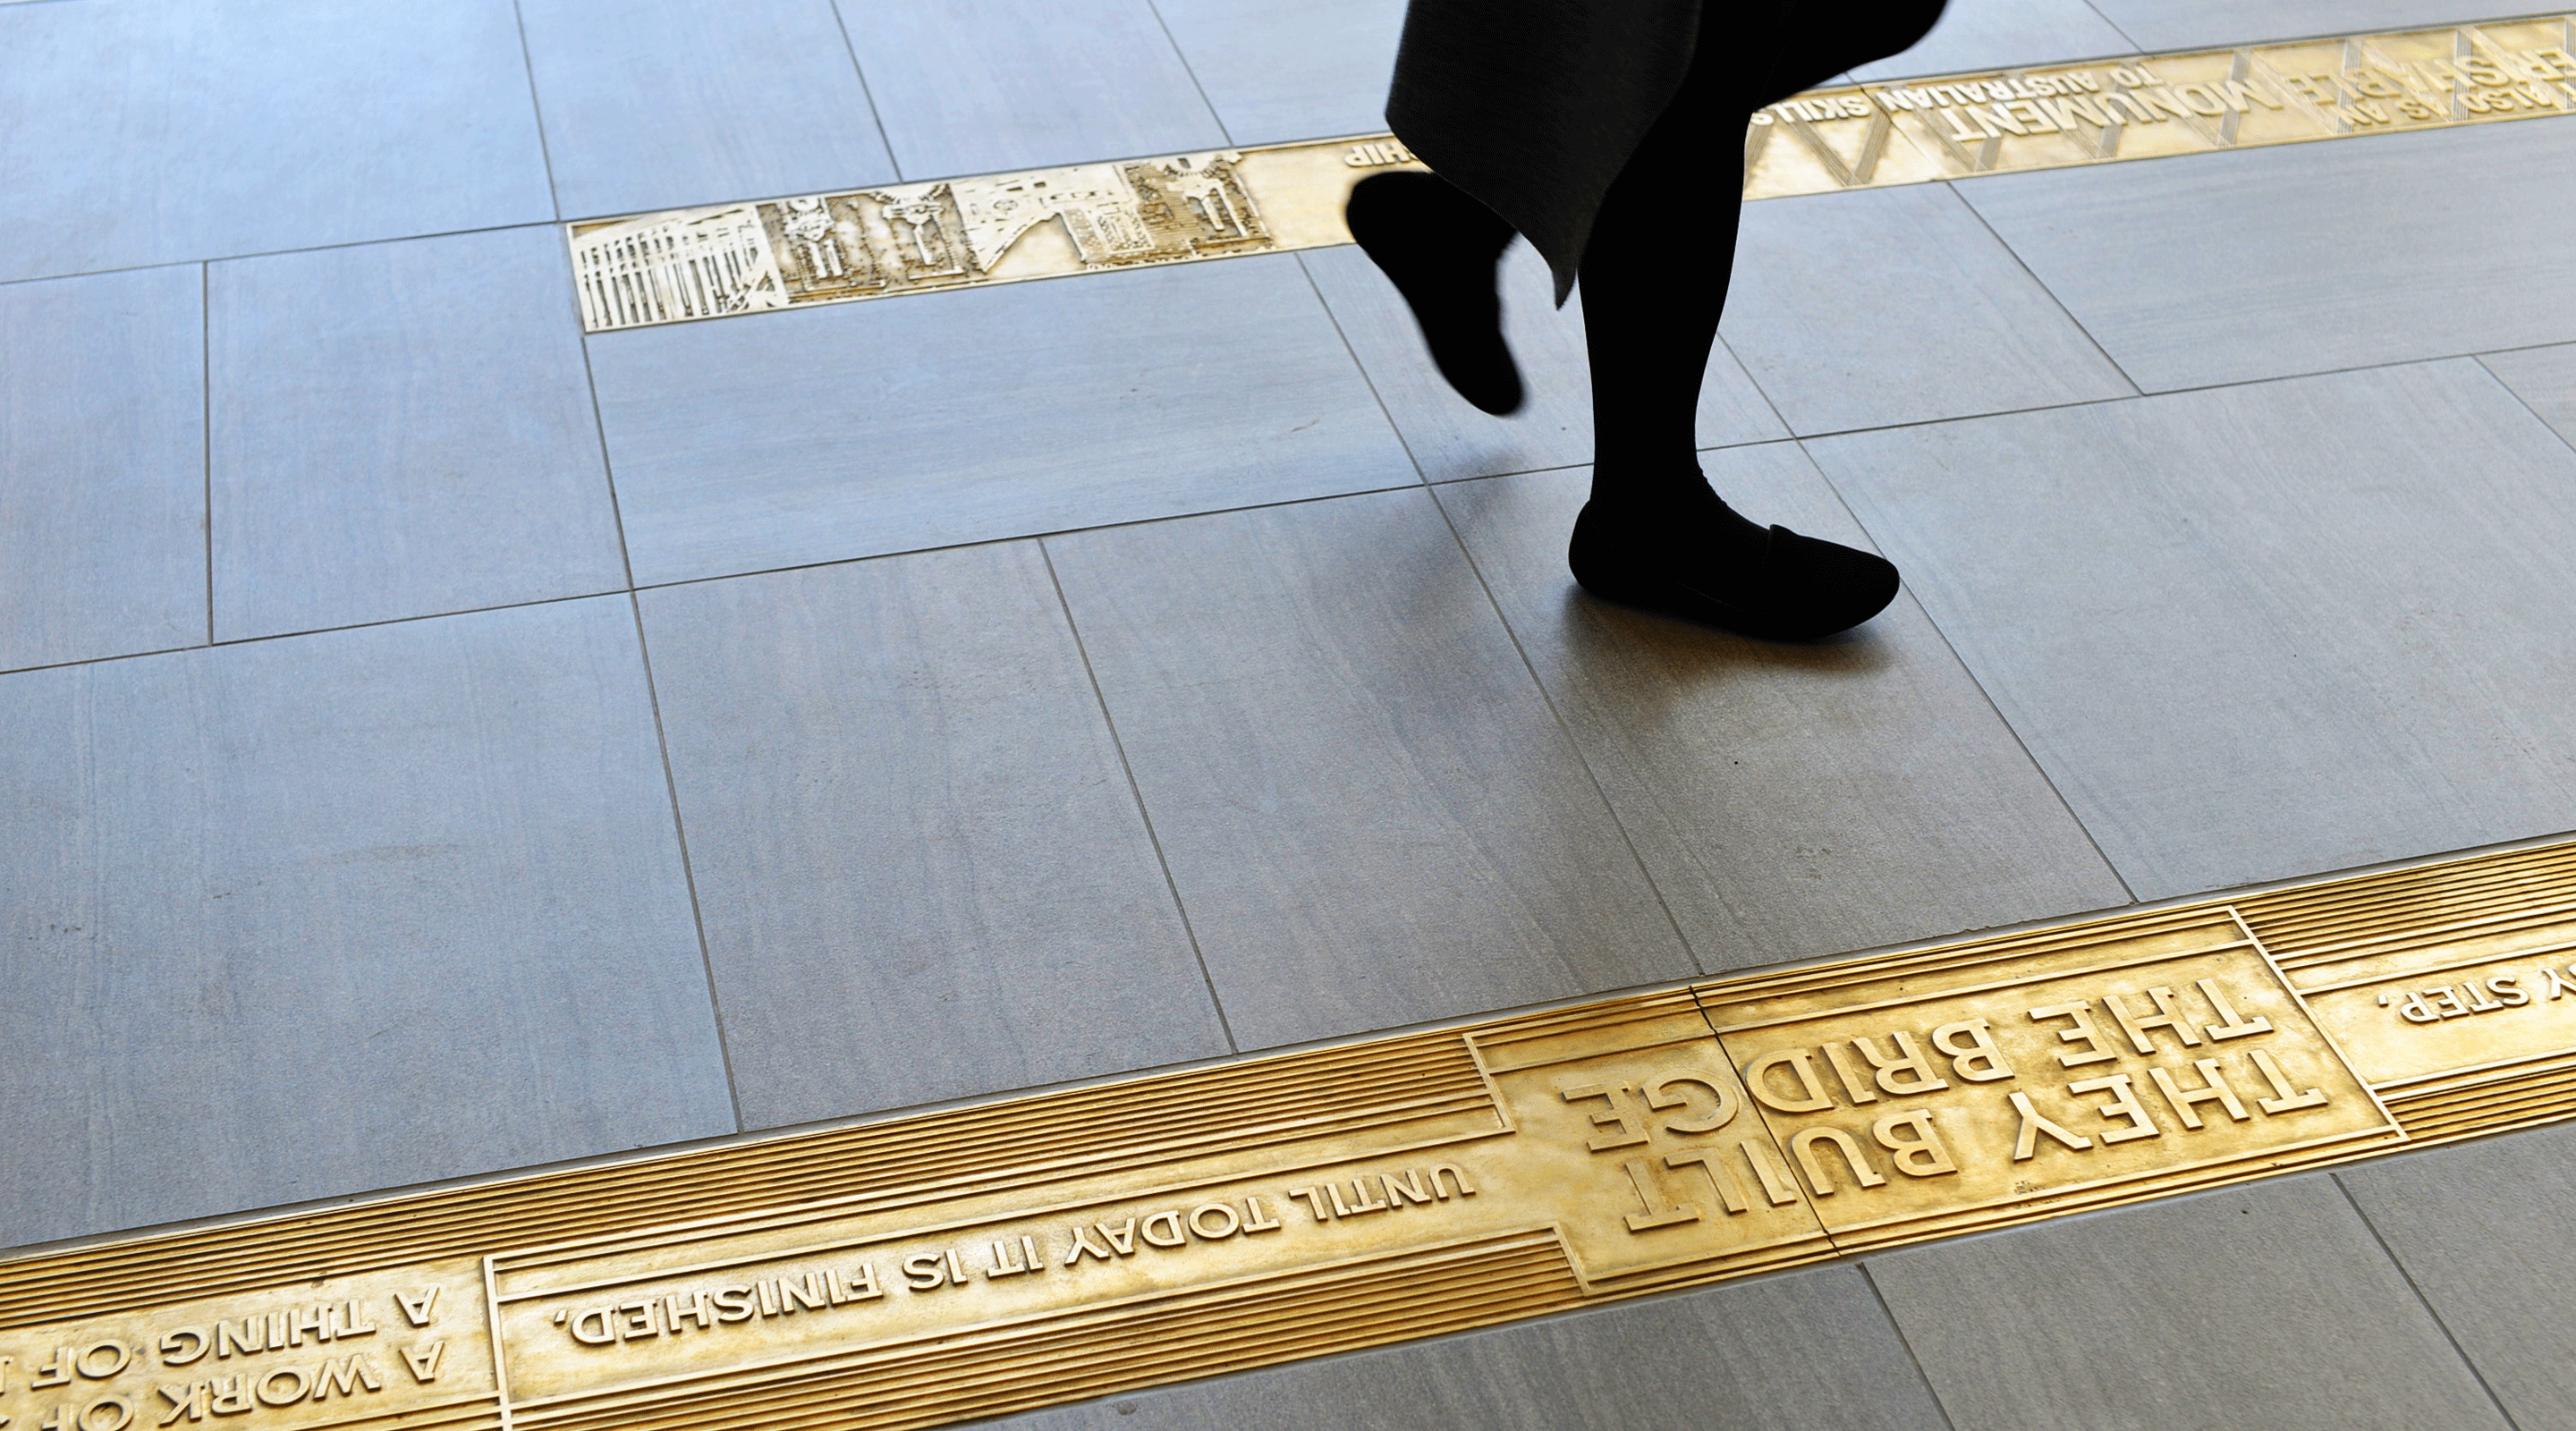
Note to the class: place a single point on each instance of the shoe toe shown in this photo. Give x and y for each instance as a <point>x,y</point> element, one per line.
<point>1819,587</point>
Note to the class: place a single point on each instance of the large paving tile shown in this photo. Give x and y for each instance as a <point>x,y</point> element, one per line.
<point>1014,84</point>
<point>1789,800</point>
<point>2481,1229</point>
<point>648,105</point>
<point>2265,1305</point>
<point>2303,258</point>
<point>143,131</point>
<point>306,917</point>
<point>1810,1350</point>
<point>1996,34</point>
<point>402,429</point>
<point>1889,306</point>
<point>102,466</point>
<point>1371,814</point>
<point>908,822</point>
<point>800,437</point>
<point>1448,436</point>
<point>2182,24</point>
<point>2257,632</point>
<point>2545,379</point>
<point>1289,69</point>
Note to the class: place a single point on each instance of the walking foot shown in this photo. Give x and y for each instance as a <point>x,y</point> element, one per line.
<point>1695,558</point>
<point>1440,248</point>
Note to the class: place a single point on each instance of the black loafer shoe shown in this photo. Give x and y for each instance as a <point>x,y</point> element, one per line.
<point>1798,589</point>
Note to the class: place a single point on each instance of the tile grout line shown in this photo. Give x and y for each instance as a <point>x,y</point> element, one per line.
<point>1861,1265</point>
<point>1261,506</point>
<point>1358,365</point>
<point>1759,391</point>
<point>2135,388</point>
<point>1546,698</point>
<point>206,425</point>
<point>1565,729</point>
<point>1285,502</point>
<point>2335,1175</point>
<point>2516,394</point>
<point>688,868</point>
<point>866,91</point>
<point>2115,26</point>
<point>1136,792</point>
<point>1154,8</point>
<point>2019,741</point>
<point>537,112</point>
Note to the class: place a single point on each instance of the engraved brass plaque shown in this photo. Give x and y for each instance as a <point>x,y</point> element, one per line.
<point>761,255</point>
<point>1037,1249</point>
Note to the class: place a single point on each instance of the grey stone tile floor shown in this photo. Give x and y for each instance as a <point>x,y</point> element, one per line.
<point>577,734</point>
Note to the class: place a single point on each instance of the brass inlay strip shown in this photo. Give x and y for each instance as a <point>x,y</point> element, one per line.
<point>760,255</point>
<point>1039,1249</point>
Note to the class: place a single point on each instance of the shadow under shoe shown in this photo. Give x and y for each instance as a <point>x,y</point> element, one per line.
<point>1440,249</point>
<point>1716,568</point>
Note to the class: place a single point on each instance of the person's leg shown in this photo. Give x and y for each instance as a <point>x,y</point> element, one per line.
<point>1654,282</point>
<point>1440,248</point>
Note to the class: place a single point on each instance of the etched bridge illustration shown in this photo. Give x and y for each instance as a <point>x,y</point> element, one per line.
<point>745,258</point>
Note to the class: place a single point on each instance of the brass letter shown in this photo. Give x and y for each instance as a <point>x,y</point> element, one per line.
<point>1232,1225</point>
<point>1256,1220</point>
<point>599,1332</point>
<point>1855,1083</point>
<point>193,1342</point>
<point>921,1272</point>
<point>1172,1235</point>
<point>1083,1247</point>
<point>1981,1061</point>
<point>1409,1190</point>
<point>250,1336</point>
<point>2124,1104</point>
<point>1624,1132</point>
<point>2280,1081</point>
<point>2083,1034</point>
<point>1920,1156</point>
<point>345,1376</point>
<point>416,1306</point>
<point>1121,1237</point>
<point>2229,1025</point>
<point>299,1382</point>
<point>2508,987</point>
<point>1803,1143</point>
<point>1729,1190</point>
<point>733,1304</point>
<point>1005,1264</point>
<point>1802,1066</point>
<point>2033,1123</point>
<point>1766,1166</point>
<point>423,1360</point>
<point>1643,1180</point>
<point>229,1395</point>
<point>2164,1017</point>
<point>1660,1094</point>
<point>2213,1088</point>
<point>1907,1063</point>
<point>188,1401</point>
<point>1457,1178</point>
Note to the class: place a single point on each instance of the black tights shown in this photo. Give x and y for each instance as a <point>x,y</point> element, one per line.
<point>1654,277</point>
